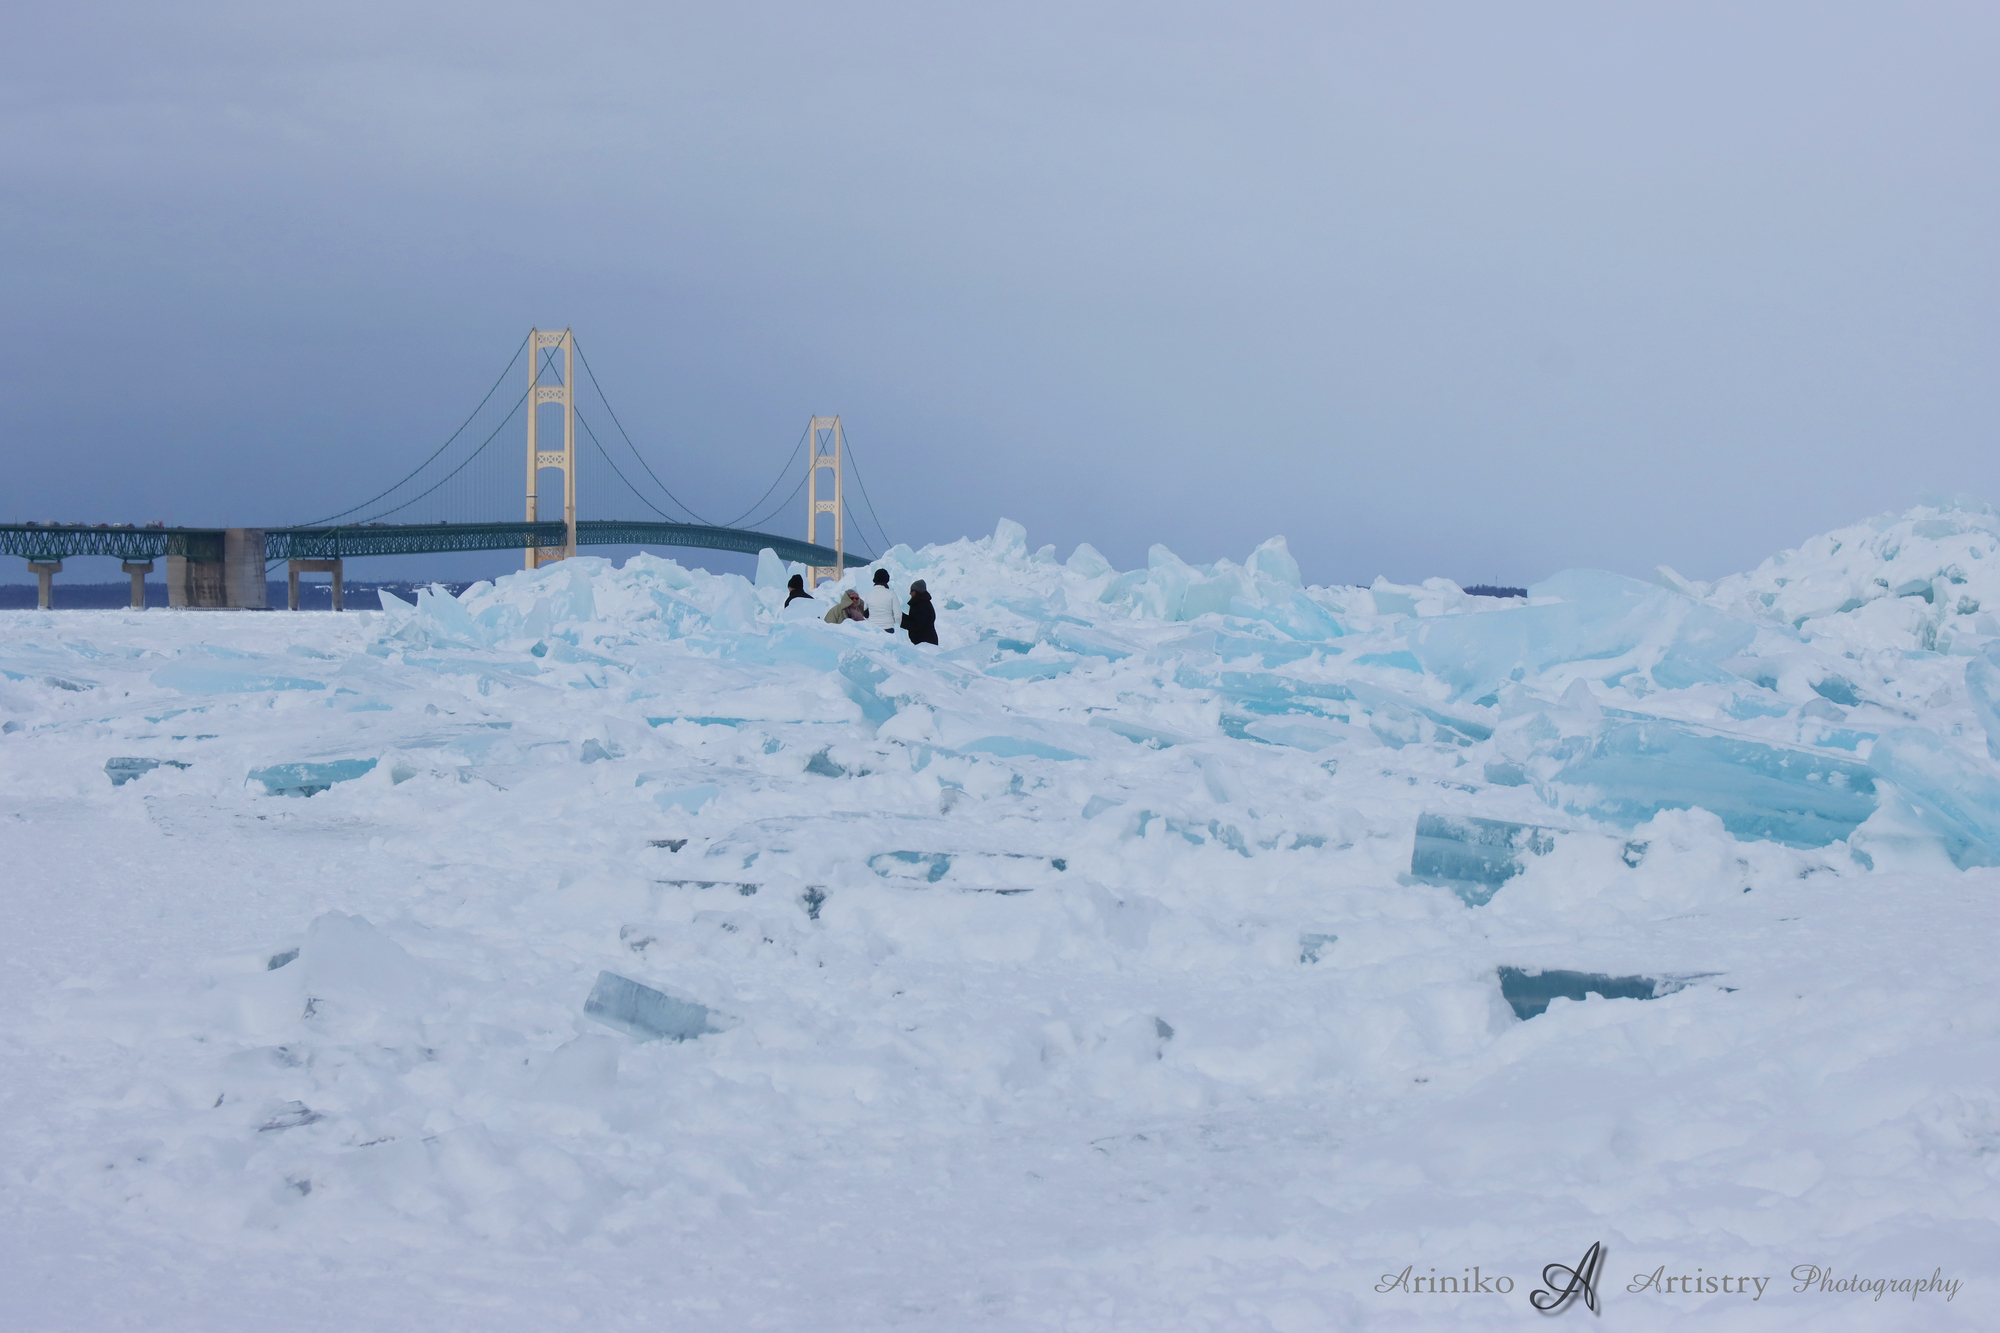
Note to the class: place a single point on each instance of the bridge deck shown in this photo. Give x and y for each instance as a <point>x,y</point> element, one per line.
<point>62,541</point>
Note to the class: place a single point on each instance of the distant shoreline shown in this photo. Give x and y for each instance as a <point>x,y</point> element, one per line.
<point>357,596</point>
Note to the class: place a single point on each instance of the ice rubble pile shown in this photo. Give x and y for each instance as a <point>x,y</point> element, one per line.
<point>1841,693</point>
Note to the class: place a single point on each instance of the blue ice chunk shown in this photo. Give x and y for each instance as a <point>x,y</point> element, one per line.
<point>1958,800</point>
<point>1084,644</point>
<point>689,799</point>
<point>1232,646</point>
<point>1504,774</point>
<point>1797,797</point>
<point>1388,603</point>
<point>1262,692</point>
<point>770,569</point>
<point>1474,857</point>
<point>1401,660</point>
<point>1982,685</point>
<point>1744,707</point>
<point>1297,616</point>
<point>308,779</point>
<point>56,682</point>
<point>1097,805</point>
<point>1087,563</point>
<point>445,615</point>
<point>644,1013</point>
<point>1219,594</point>
<point>191,679</point>
<point>1603,616</point>
<point>927,866</point>
<point>1311,736</point>
<point>1132,731</point>
<point>1273,560</point>
<point>859,676</point>
<point>807,643</point>
<point>498,622</point>
<point>1376,697</point>
<point>1032,668</point>
<point>1678,672</point>
<point>1529,993</point>
<point>1017,747</point>
<point>122,771</point>
<point>1837,689</point>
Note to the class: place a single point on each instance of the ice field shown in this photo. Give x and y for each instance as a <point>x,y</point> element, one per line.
<point>1179,948</point>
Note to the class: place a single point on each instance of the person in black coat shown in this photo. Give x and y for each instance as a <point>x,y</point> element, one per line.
<point>921,619</point>
<point>797,589</point>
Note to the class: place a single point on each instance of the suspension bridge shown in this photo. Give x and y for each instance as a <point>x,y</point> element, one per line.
<point>463,495</point>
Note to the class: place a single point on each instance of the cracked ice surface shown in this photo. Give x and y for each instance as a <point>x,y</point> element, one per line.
<point>1132,959</point>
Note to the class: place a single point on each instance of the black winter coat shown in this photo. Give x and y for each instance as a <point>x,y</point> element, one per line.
<point>921,620</point>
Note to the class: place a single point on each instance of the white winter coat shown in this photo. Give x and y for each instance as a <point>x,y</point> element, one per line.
<point>885,609</point>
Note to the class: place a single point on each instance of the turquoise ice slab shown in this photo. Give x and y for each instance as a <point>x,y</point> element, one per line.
<point>642,1012</point>
<point>123,770</point>
<point>308,779</point>
<point>1473,857</point>
<point>1800,798</point>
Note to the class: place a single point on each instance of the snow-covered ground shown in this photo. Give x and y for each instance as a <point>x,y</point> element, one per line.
<point>1133,960</point>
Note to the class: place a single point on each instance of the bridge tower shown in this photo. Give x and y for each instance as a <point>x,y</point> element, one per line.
<point>565,457</point>
<point>824,433</point>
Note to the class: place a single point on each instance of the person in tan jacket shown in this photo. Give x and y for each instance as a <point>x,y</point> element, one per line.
<point>849,607</point>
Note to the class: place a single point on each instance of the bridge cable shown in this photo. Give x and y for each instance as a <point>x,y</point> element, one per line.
<point>737,522</point>
<point>622,477</point>
<point>779,508</point>
<point>440,449</point>
<point>880,531</point>
<point>859,530</point>
<point>628,440</point>
<point>454,472</point>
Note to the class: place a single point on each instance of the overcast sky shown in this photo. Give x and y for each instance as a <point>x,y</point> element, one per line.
<point>1474,290</point>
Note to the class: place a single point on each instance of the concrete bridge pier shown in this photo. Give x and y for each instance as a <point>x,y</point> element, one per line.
<point>138,569</point>
<point>299,567</point>
<point>236,581</point>
<point>45,570</point>
<point>193,584</point>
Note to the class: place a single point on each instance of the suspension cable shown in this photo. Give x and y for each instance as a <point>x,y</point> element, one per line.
<point>880,531</point>
<point>449,475</point>
<point>737,522</point>
<point>621,476</point>
<point>628,439</point>
<point>440,449</point>
<point>777,509</point>
<point>857,524</point>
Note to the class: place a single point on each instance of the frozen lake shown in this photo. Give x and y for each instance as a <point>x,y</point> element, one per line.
<point>1176,948</point>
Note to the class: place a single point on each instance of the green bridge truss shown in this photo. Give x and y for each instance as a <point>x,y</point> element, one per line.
<point>53,541</point>
<point>58,542</point>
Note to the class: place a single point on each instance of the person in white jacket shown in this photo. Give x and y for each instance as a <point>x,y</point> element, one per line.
<point>884,607</point>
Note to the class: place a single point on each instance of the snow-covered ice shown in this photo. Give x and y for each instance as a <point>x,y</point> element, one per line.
<point>614,947</point>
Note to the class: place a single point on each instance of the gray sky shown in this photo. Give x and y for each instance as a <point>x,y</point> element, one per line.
<point>1476,290</point>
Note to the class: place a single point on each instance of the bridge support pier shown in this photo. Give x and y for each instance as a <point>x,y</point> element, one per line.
<point>193,584</point>
<point>243,586</point>
<point>299,567</point>
<point>138,569</point>
<point>44,570</point>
